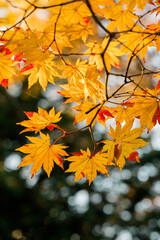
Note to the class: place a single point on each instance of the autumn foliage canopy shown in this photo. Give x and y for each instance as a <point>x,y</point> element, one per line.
<point>81,45</point>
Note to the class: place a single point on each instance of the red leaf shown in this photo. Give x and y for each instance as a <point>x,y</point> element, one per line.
<point>103,112</point>
<point>75,121</point>
<point>156,117</point>
<point>3,40</point>
<point>128,103</point>
<point>77,153</point>
<point>60,161</point>
<point>17,28</point>
<point>152,29</point>
<point>30,66</point>
<point>157,13</point>
<point>86,19</point>
<point>83,174</point>
<point>4,83</point>
<point>18,58</point>
<point>133,157</point>
<point>29,114</point>
<point>50,127</point>
<point>152,3</point>
<point>7,50</point>
<point>60,93</point>
<point>32,175</point>
<point>158,85</point>
<point>100,70</point>
<point>117,65</point>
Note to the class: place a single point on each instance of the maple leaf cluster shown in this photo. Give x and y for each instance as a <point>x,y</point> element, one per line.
<point>66,45</point>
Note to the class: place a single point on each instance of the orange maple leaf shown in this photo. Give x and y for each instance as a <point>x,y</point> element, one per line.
<point>84,164</point>
<point>4,83</point>
<point>89,111</point>
<point>40,120</point>
<point>41,152</point>
<point>43,72</point>
<point>120,18</point>
<point>140,3</point>
<point>124,143</point>
<point>6,66</point>
<point>146,107</point>
<point>112,52</point>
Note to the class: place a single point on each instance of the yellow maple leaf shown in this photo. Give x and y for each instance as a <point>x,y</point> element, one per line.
<point>124,143</point>
<point>83,84</point>
<point>153,29</point>
<point>87,111</point>
<point>110,56</point>
<point>92,83</point>
<point>16,34</point>
<point>92,87</point>
<point>43,72</point>
<point>136,42</point>
<point>76,31</point>
<point>99,5</point>
<point>39,61</point>
<point>32,47</point>
<point>74,73</point>
<point>6,66</point>
<point>91,112</point>
<point>122,113</point>
<point>120,18</point>
<point>41,152</point>
<point>56,41</point>
<point>74,12</point>
<point>131,4</point>
<point>41,43</point>
<point>73,93</point>
<point>146,104</point>
<point>40,120</point>
<point>84,164</point>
